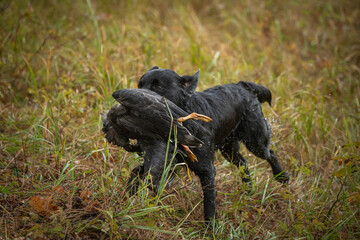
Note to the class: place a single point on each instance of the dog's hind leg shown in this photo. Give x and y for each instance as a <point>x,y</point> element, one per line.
<point>269,155</point>
<point>280,175</point>
<point>256,136</point>
<point>230,150</point>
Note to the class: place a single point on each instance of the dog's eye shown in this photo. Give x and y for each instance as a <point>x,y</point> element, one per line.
<point>158,87</point>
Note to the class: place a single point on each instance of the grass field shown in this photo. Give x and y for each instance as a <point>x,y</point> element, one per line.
<point>61,60</point>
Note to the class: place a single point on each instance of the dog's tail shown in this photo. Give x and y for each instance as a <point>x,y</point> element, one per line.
<point>263,93</point>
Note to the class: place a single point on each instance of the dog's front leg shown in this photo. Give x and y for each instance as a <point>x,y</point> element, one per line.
<point>208,186</point>
<point>206,171</point>
<point>133,182</point>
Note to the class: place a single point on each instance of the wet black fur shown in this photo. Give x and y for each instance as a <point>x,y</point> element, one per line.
<point>237,116</point>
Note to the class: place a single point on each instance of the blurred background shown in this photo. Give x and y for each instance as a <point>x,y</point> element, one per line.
<point>60,61</point>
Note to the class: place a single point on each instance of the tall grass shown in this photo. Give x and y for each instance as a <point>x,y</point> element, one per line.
<point>61,60</point>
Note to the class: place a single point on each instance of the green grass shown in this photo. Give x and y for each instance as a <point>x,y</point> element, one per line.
<point>60,61</point>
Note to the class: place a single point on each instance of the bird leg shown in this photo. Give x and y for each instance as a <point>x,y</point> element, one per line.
<point>190,154</point>
<point>195,116</point>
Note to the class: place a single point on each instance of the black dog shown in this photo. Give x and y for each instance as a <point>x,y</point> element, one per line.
<point>237,116</point>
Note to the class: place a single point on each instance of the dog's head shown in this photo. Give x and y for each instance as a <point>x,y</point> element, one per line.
<point>169,84</point>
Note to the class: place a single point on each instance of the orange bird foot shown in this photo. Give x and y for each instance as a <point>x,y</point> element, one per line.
<point>195,116</point>
<point>190,154</point>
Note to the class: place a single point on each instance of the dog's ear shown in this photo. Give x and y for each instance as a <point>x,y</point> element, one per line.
<point>190,83</point>
<point>153,68</point>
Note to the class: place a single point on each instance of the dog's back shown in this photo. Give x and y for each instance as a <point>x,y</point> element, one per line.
<point>224,104</point>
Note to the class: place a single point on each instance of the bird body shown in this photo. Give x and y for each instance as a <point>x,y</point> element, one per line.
<point>144,115</point>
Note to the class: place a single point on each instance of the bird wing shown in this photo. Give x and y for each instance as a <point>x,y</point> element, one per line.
<point>147,116</point>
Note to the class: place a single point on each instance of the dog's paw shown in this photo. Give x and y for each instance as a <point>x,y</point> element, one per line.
<point>283,177</point>
<point>247,184</point>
